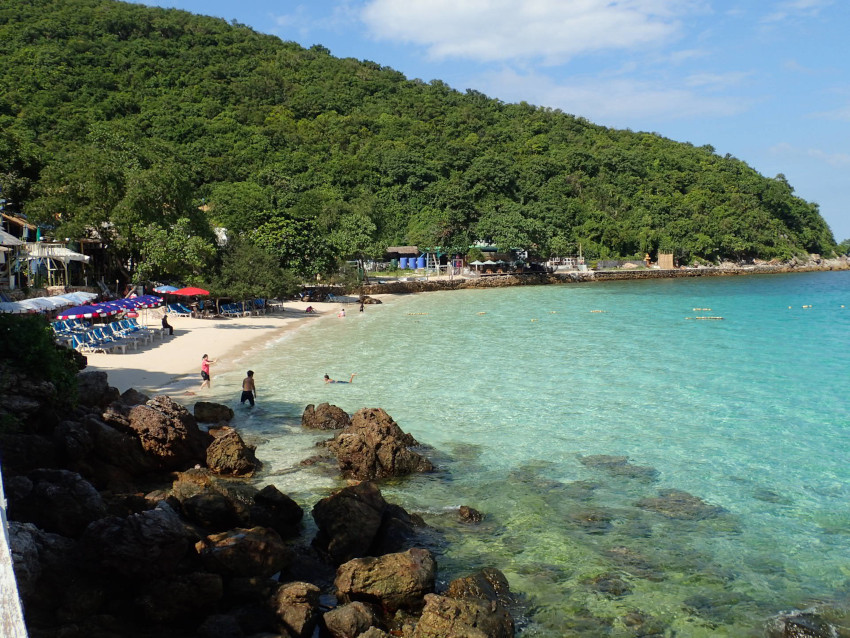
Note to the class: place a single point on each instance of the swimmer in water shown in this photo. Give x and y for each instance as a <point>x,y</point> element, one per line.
<point>350,380</point>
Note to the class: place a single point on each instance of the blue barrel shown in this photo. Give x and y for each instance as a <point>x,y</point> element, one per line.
<point>402,262</point>
<point>420,261</point>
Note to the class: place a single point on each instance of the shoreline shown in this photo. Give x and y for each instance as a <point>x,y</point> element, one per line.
<point>171,365</point>
<point>424,284</point>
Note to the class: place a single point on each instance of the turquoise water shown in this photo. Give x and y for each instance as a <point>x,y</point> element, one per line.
<point>512,389</point>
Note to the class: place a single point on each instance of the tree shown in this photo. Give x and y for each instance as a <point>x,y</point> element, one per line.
<point>249,272</point>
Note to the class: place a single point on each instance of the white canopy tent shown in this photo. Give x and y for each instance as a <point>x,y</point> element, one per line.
<point>56,258</point>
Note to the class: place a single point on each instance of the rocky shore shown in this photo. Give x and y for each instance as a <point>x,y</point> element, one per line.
<point>131,516</point>
<point>813,264</point>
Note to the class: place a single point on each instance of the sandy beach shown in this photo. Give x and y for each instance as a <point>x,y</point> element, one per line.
<point>171,365</point>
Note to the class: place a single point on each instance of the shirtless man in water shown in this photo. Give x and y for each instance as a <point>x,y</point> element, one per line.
<point>350,380</point>
<point>249,390</point>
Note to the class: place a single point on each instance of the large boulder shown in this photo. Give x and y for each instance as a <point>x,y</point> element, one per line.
<point>169,433</point>
<point>211,510</point>
<point>229,455</point>
<point>296,606</point>
<point>474,606</point>
<point>444,617</point>
<point>325,417</point>
<point>208,412</point>
<point>93,389</point>
<point>395,581</point>
<point>180,597</point>
<point>118,447</point>
<point>374,446</point>
<point>351,620</point>
<point>274,509</point>
<point>257,551</point>
<point>56,501</point>
<point>143,546</point>
<point>349,521</point>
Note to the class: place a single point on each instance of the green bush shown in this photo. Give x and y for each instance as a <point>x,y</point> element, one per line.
<point>27,346</point>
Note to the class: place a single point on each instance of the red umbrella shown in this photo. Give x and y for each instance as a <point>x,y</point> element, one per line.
<point>190,292</point>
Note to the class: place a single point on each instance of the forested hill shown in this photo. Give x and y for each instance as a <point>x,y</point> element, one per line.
<point>127,119</point>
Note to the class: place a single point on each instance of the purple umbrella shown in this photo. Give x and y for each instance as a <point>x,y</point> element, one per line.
<point>86,312</point>
<point>147,301</point>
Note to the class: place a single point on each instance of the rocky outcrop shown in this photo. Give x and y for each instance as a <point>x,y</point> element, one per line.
<point>272,508</point>
<point>394,581</point>
<point>374,447</point>
<point>296,606</point>
<point>146,545</point>
<point>208,412</point>
<point>351,620</point>
<point>325,417</point>
<point>205,556</point>
<point>254,552</point>
<point>93,389</point>
<point>681,505</point>
<point>228,454</point>
<point>357,521</point>
<point>474,606</point>
<point>56,501</point>
<point>169,433</point>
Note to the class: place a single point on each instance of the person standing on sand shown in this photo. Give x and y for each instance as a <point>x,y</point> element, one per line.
<point>205,371</point>
<point>362,306</point>
<point>249,390</point>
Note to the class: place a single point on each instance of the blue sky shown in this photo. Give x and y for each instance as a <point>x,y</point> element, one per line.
<point>766,81</point>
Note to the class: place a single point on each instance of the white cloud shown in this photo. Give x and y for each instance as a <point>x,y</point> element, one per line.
<point>797,8</point>
<point>837,160</point>
<point>612,101</point>
<point>550,30</point>
<point>717,81</point>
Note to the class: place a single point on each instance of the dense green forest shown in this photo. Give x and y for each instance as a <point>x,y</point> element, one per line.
<point>151,127</point>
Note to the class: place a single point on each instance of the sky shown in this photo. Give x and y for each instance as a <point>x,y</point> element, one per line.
<point>766,81</point>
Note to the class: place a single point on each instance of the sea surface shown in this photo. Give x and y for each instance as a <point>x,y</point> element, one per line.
<point>642,471</point>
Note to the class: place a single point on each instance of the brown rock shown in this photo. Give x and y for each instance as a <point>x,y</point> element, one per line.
<point>374,446</point>
<point>228,454</point>
<point>351,620</point>
<point>297,609</point>
<point>445,617</point>
<point>396,581</point>
<point>349,521</point>
<point>325,417</point>
<point>169,433</point>
<point>208,412</point>
<point>56,501</point>
<point>244,552</point>
<point>145,545</point>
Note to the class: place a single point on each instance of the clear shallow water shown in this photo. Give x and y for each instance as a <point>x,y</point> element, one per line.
<point>513,389</point>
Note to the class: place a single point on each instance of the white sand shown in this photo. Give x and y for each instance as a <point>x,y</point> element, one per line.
<point>172,365</point>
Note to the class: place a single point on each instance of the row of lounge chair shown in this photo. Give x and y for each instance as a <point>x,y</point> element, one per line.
<point>239,309</point>
<point>111,337</point>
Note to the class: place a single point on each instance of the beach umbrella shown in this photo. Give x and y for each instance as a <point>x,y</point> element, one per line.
<point>163,290</point>
<point>86,312</point>
<point>146,301</point>
<point>476,263</point>
<point>14,307</point>
<point>191,291</point>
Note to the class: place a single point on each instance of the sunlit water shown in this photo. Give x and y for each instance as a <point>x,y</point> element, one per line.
<point>511,389</point>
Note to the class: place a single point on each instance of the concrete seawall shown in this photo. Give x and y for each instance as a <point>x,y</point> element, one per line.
<point>538,279</point>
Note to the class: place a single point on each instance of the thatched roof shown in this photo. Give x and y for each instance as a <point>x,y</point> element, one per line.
<point>403,250</point>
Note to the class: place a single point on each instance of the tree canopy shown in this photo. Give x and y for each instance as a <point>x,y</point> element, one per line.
<point>125,121</point>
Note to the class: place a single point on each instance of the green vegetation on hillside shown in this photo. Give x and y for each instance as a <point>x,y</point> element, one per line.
<point>132,121</point>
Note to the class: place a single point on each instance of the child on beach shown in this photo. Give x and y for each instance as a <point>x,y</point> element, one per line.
<point>205,371</point>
